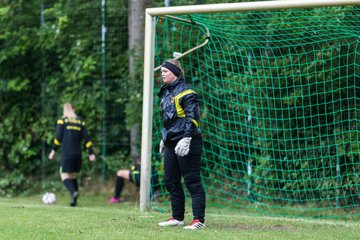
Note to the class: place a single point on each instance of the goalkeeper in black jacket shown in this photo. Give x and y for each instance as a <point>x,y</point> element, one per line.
<point>70,134</point>
<point>181,145</point>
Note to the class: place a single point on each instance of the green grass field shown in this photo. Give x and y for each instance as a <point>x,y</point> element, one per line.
<point>29,218</point>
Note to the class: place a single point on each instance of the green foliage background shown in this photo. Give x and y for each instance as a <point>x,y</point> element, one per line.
<point>51,53</point>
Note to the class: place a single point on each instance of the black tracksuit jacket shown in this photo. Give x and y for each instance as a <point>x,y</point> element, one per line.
<point>180,111</point>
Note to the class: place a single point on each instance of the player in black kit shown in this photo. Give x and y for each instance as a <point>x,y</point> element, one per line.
<point>70,133</point>
<point>133,175</point>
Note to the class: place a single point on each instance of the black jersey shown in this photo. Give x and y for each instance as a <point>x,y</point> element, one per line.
<point>70,135</point>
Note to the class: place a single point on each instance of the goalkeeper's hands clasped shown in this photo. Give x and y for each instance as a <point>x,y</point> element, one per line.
<point>183,147</point>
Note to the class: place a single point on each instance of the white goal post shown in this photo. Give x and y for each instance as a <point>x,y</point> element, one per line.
<point>149,47</point>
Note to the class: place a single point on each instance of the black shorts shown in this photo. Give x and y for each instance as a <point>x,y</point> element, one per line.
<point>134,177</point>
<point>70,163</point>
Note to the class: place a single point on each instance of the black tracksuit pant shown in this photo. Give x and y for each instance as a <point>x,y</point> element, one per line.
<point>187,167</point>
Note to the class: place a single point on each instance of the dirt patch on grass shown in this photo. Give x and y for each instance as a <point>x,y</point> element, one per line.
<point>243,227</point>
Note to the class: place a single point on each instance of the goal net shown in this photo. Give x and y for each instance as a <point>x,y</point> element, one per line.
<point>280,105</point>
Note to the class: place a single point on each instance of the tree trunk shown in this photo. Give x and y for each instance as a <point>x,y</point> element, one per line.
<point>136,24</point>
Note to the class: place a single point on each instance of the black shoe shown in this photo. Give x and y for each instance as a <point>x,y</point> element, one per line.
<point>74,197</point>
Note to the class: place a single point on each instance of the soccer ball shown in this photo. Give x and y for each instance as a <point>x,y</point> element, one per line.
<point>49,198</point>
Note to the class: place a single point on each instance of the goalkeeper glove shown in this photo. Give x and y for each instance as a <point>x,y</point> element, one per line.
<point>161,147</point>
<point>183,147</point>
